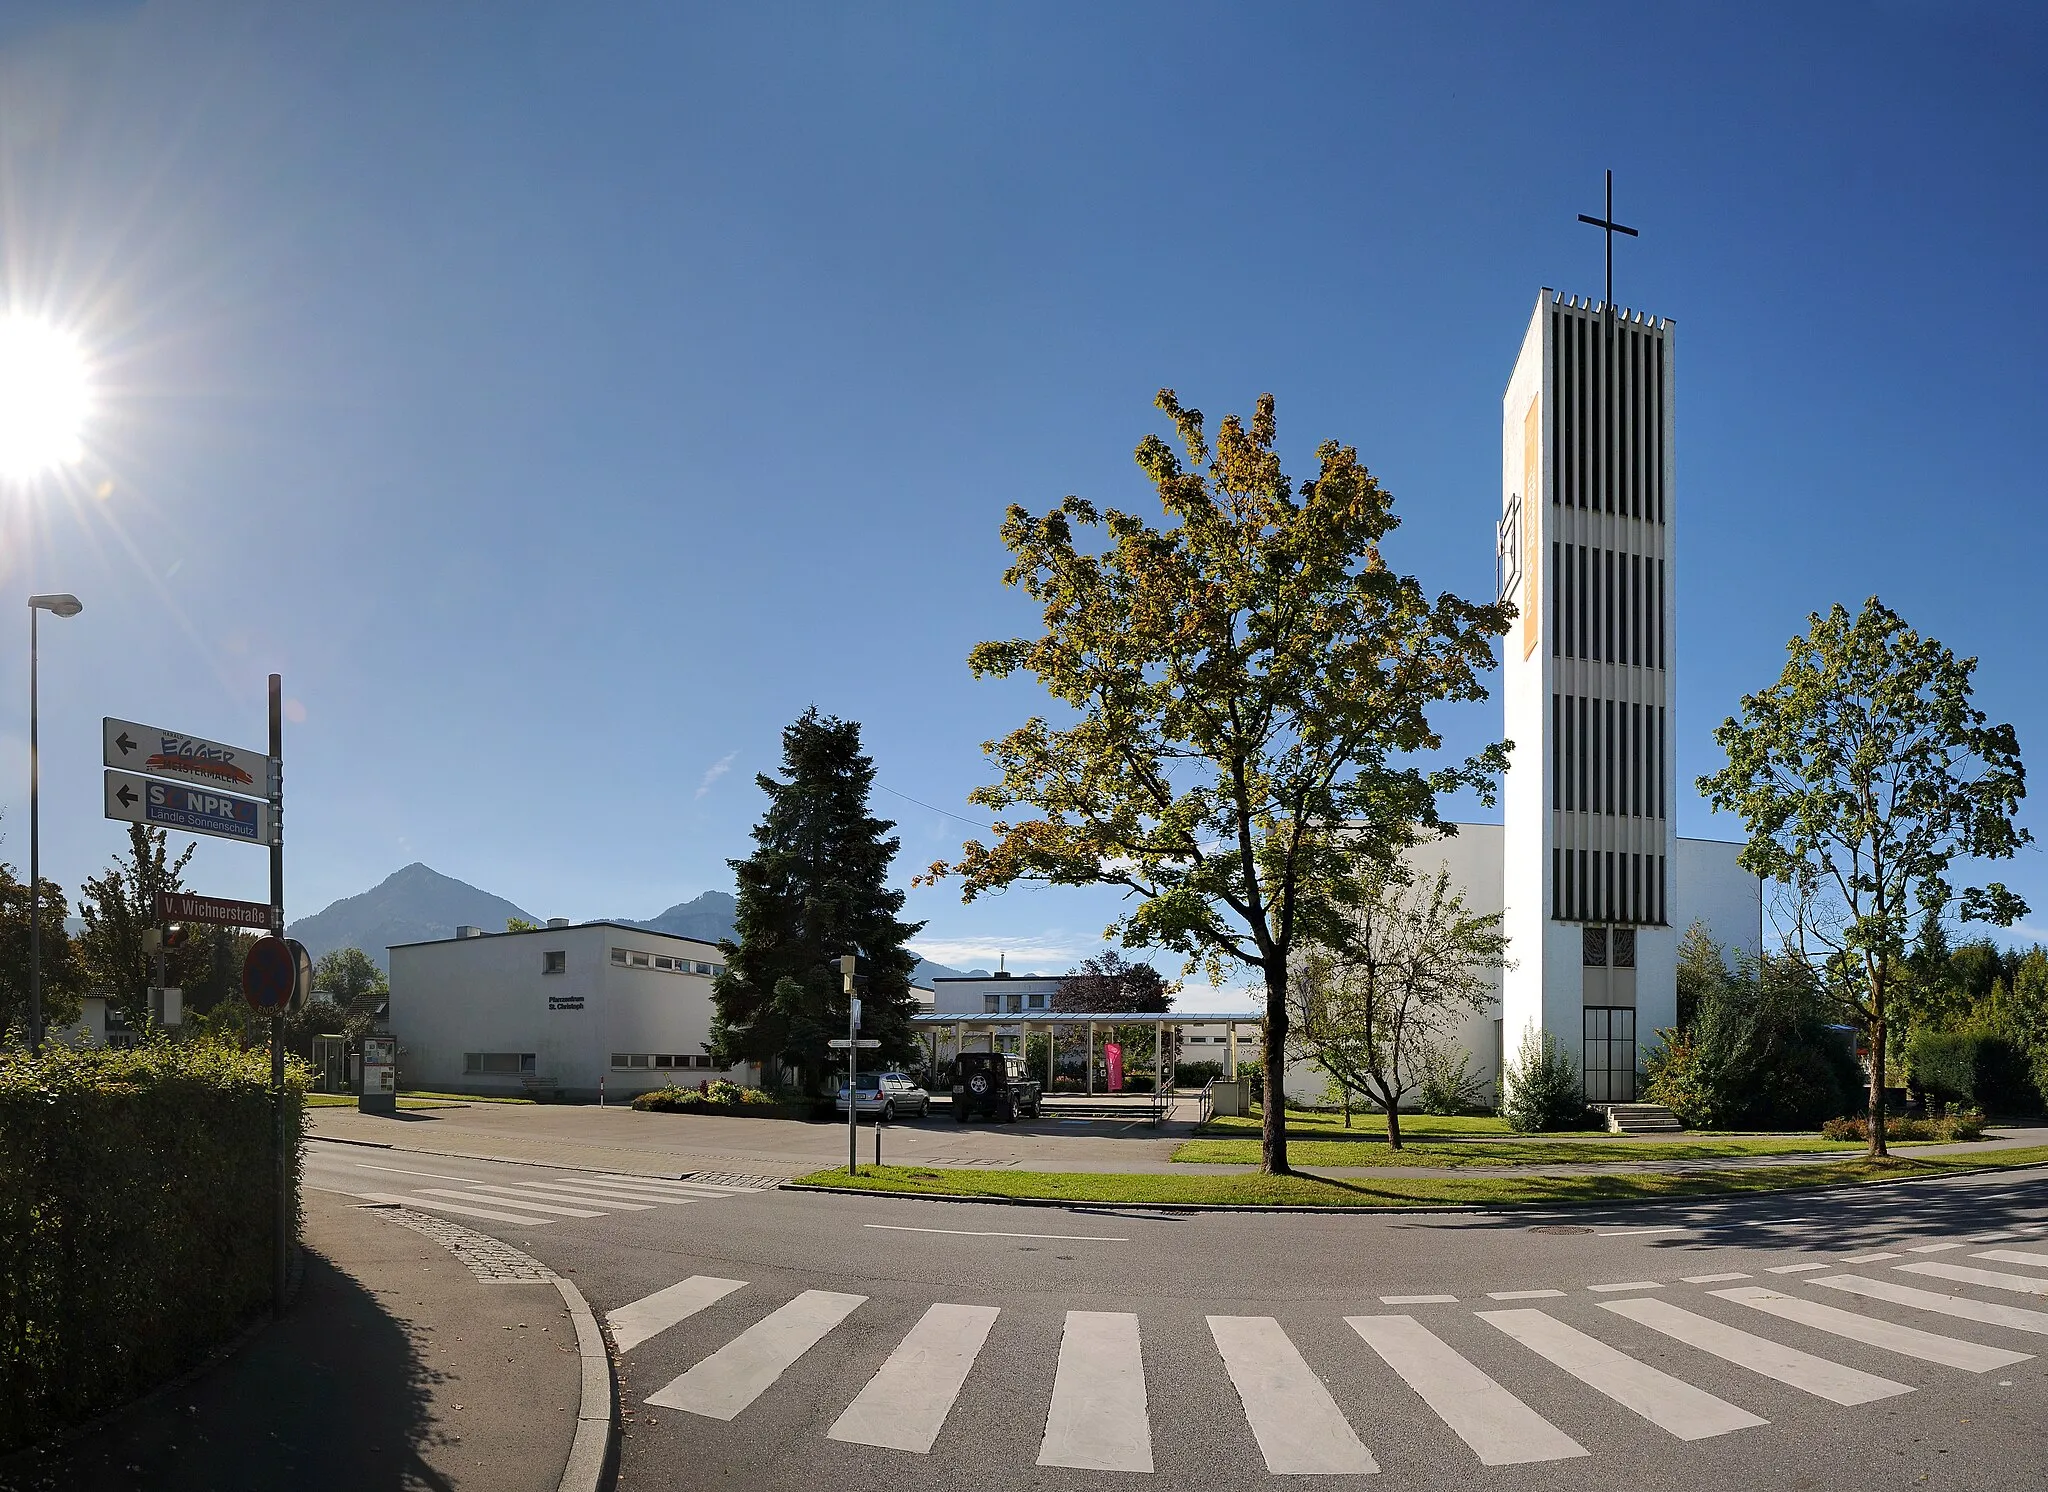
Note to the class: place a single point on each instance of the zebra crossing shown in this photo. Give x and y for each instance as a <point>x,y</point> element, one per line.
<point>535,1204</point>
<point>1099,1415</point>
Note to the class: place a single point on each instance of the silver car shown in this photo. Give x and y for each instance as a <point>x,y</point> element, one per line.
<point>889,1095</point>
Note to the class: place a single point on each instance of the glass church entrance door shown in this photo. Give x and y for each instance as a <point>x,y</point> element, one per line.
<point>1609,1050</point>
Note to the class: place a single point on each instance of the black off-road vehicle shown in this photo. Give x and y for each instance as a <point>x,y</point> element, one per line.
<point>993,1084</point>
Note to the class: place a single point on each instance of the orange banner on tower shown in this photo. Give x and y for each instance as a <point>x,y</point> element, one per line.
<point>1532,504</point>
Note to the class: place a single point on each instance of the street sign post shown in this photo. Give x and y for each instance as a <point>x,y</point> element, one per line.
<point>195,810</point>
<point>167,779</point>
<point>863,1043</point>
<point>173,755</point>
<point>177,906</point>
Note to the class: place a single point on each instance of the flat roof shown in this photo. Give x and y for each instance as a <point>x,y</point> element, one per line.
<point>1106,1017</point>
<point>527,932</point>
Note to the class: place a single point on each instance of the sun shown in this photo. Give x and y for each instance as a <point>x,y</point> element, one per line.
<point>44,395</point>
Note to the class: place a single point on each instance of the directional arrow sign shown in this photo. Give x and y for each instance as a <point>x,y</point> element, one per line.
<point>165,805</point>
<point>840,1044</point>
<point>181,758</point>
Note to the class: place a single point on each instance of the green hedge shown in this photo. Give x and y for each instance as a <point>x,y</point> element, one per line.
<point>136,1198</point>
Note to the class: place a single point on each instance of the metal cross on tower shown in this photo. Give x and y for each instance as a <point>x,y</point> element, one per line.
<point>1609,227</point>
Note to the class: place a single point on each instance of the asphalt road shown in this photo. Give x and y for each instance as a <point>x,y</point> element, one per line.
<point>812,1341</point>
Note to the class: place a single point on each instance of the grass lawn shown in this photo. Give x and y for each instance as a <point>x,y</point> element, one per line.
<point>348,1101</point>
<point>1314,1124</point>
<point>1402,1191</point>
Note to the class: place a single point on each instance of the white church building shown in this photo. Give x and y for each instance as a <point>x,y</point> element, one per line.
<point>1594,884</point>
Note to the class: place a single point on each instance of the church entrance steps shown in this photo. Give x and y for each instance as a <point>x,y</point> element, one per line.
<point>1640,1119</point>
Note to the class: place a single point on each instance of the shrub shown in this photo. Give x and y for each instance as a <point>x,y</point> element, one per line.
<point>1955,1123</point>
<point>1138,1082</point>
<point>1758,1052</point>
<point>1972,1067</point>
<point>1196,1074</point>
<point>1543,1087</point>
<point>717,1095</point>
<point>1448,1084</point>
<point>136,1205</point>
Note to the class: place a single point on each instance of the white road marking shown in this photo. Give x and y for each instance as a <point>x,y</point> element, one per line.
<point>1866,1258</point>
<point>668,1183</point>
<point>743,1369</point>
<point>2014,1256</point>
<point>1636,1232</point>
<point>1525,1295</point>
<point>1715,1279</point>
<point>1097,1421</point>
<point>1908,1341</point>
<point>1418,1300</point>
<point>1962,1307</point>
<point>1500,1428</point>
<point>1626,1285</point>
<point>635,1323</point>
<point>1669,1403</point>
<point>1806,1268</point>
<point>449,1191</point>
<point>431,1205</point>
<point>601,1192</point>
<point>614,1203</point>
<point>1994,1278</point>
<point>987,1233</point>
<point>1935,1248</point>
<point>1990,1237</point>
<point>1832,1381</point>
<point>1300,1429</point>
<point>905,1404</point>
<point>363,1165</point>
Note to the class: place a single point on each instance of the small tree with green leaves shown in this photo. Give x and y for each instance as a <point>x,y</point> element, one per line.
<point>1542,1088</point>
<point>1414,961</point>
<point>1863,774</point>
<point>1247,692</point>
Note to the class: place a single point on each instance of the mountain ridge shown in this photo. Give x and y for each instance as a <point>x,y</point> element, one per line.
<point>418,904</point>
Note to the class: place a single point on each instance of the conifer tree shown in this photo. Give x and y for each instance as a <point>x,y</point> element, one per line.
<point>815,888</point>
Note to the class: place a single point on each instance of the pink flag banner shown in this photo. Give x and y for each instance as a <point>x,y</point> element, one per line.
<point>1113,1059</point>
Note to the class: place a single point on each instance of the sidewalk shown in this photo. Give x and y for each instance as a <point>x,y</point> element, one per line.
<point>396,1368</point>
<point>622,1139</point>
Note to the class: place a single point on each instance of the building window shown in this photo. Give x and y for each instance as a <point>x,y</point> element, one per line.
<point>1624,948</point>
<point>1035,1002</point>
<point>497,1064</point>
<point>1594,953</point>
<point>619,956</point>
<point>991,1004</point>
<point>554,962</point>
<point>712,969</point>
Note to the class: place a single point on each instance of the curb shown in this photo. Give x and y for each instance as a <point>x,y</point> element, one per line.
<point>592,1460</point>
<point>1382,1209</point>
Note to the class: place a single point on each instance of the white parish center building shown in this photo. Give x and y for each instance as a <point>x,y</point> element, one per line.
<point>563,1010</point>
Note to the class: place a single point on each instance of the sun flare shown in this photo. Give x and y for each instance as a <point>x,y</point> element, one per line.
<point>43,397</point>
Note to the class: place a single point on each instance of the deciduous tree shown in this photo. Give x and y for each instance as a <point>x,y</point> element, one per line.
<point>1413,963</point>
<point>1863,774</point>
<point>1245,695</point>
<point>63,979</point>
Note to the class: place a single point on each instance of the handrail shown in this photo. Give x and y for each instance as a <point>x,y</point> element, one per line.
<point>1207,1111</point>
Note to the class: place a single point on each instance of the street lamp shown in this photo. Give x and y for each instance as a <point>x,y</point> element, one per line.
<point>59,605</point>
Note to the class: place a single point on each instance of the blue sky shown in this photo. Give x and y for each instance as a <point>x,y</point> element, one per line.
<point>564,398</point>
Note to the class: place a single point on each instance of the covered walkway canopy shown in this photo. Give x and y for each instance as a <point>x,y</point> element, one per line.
<point>989,1025</point>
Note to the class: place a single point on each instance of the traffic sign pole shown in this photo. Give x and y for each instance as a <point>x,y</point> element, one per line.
<point>281,1221</point>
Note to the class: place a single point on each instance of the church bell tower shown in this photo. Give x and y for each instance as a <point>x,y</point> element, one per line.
<point>1585,553</point>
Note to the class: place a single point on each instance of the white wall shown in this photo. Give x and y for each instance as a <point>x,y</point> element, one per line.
<point>490,994</point>
<point>1714,890</point>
